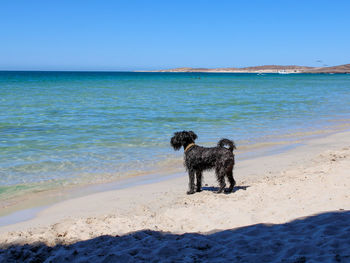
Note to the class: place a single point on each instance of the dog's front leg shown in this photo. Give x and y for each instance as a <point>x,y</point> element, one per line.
<point>191,183</point>
<point>199,181</point>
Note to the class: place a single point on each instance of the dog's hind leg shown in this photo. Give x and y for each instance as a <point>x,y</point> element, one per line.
<point>199,181</point>
<point>191,183</point>
<point>220,174</point>
<point>230,178</point>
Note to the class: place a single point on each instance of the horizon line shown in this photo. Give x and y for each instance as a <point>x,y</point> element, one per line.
<point>161,68</point>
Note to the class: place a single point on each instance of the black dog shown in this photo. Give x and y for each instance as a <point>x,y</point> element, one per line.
<point>198,159</point>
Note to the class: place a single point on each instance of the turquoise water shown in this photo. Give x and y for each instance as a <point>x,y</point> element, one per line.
<point>74,127</point>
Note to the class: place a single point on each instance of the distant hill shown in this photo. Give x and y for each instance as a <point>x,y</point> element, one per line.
<point>266,69</point>
<point>337,69</point>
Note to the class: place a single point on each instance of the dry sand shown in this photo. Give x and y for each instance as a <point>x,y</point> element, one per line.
<point>289,207</point>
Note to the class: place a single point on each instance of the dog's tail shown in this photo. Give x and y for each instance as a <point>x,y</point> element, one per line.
<point>231,144</point>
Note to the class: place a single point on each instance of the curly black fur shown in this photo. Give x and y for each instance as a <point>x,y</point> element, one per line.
<point>198,158</point>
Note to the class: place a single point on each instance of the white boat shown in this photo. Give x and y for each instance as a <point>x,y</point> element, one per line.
<point>283,72</point>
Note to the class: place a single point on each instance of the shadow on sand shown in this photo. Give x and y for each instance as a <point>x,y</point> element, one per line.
<point>215,189</point>
<point>321,238</point>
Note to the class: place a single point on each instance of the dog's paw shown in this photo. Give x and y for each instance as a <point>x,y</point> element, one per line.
<point>227,191</point>
<point>198,190</point>
<point>190,192</point>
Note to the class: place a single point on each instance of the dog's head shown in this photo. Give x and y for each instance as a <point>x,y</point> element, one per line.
<point>182,138</point>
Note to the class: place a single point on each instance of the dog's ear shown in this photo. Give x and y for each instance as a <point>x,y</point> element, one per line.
<point>175,141</point>
<point>193,135</point>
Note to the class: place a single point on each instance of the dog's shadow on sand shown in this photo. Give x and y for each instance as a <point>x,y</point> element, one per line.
<point>215,189</point>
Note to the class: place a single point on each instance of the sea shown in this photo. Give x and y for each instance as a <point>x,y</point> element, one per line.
<point>63,129</point>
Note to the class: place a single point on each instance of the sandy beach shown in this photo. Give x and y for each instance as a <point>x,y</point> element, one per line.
<point>287,207</point>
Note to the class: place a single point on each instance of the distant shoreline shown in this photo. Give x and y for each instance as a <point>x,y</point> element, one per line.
<point>341,69</point>
<point>275,69</point>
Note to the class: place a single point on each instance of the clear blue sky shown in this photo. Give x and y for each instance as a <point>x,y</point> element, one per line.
<point>134,34</point>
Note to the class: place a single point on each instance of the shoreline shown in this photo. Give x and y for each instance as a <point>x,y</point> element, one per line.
<point>245,72</point>
<point>289,207</point>
<point>29,208</point>
<point>22,215</point>
<point>245,171</point>
<point>276,69</point>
